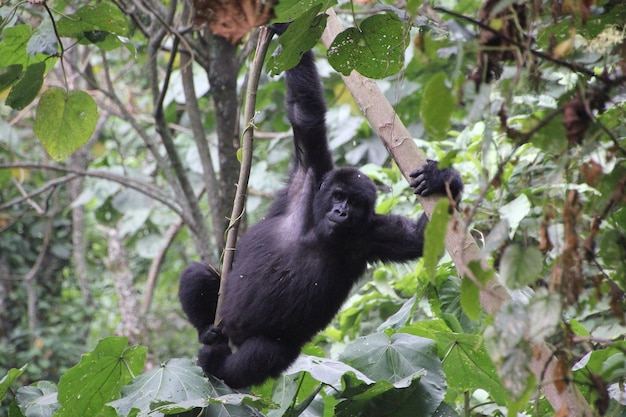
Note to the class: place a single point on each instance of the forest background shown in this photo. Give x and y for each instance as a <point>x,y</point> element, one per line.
<point>120,142</point>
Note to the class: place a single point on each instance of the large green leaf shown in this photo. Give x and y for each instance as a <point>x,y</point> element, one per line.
<point>406,361</point>
<point>176,381</point>
<point>437,107</point>
<point>99,377</point>
<point>64,121</point>
<point>178,386</point>
<point>374,49</point>
<point>468,366</point>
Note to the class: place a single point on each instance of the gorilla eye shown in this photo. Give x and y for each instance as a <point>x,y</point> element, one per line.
<point>339,195</point>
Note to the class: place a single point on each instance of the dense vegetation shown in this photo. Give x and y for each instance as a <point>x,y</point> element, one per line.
<point>119,154</point>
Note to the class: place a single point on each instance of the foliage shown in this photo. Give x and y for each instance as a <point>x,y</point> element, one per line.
<point>525,99</point>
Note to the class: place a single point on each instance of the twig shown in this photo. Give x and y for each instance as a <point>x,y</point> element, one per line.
<point>522,46</point>
<point>144,188</point>
<point>155,267</point>
<point>197,129</point>
<point>265,35</point>
<point>27,196</point>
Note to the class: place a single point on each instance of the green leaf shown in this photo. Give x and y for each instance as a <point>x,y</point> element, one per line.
<point>99,377</point>
<point>300,37</point>
<point>176,381</point>
<point>9,378</point>
<point>520,266</point>
<point>290,10</point>
<point>468,366</point>
<point>470,290</point>
<point>406,361</point>
<point>64,122</point>
<point>27,88</point>
<point>10,76</point>
<point>375,49</point>
<point>13,45</point>
<point>437,107</point>
<point>105,17</point>
<point>435,237</point>
<point>328,371</point>
<point>38,400</point>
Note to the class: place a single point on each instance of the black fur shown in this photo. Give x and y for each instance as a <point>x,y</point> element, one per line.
<point>294,269</point>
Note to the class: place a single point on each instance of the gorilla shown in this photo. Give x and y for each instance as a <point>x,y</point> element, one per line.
<point>293,269</point>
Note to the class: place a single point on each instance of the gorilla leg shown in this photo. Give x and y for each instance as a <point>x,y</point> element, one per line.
<point>198,292</point>
<point>257,359</point>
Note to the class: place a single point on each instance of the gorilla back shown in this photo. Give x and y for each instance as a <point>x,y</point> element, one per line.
<point>294,269</point>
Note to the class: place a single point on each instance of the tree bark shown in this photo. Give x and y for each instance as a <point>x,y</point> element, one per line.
<point>118,265</point>
<point>222,73</point>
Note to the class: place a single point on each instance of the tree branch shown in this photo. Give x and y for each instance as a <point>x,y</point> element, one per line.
<point>144,188</point>
<point>193,111</point>
<point>155,267</point>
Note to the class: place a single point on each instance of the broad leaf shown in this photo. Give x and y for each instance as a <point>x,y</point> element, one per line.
<point>468,366</point>
<point>99,377</point>
<point>64,121</point>
<point>401,360</point>
<point>176,381</point>
<point>374,49</point>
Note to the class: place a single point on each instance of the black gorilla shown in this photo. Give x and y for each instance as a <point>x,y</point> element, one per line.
<point>294,269</point>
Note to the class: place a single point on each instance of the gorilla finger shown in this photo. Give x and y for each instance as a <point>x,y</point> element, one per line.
<point>421,177</point>
<point>416,172</point>
<point>421,189</point>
